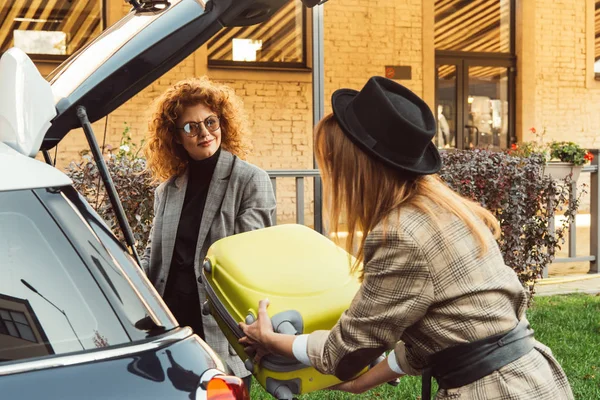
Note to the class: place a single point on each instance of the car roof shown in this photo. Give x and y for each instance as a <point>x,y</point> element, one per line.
<point>21,172</point>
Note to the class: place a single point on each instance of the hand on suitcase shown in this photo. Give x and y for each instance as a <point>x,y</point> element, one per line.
<point>348,386</point>
<point>257,334</point>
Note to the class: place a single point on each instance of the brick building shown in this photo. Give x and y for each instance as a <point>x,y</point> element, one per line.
<point>490,69</point>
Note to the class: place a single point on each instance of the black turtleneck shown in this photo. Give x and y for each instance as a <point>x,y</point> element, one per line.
<point>181,292</point>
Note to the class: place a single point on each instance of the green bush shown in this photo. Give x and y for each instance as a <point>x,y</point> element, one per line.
<point>133,183</point>
<point>569,152</point>
<point>513,188</point>
<point>524,200</point>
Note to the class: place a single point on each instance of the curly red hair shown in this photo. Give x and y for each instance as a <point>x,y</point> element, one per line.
<point>167,158</point>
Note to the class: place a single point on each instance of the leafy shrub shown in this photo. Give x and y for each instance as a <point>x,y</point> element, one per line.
<point>524,200</point>
<point>570,152</point>
<point>136,191</point>
<point>537,146</point>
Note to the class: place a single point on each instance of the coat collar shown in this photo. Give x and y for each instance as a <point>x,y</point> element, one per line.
<point>222,170</point>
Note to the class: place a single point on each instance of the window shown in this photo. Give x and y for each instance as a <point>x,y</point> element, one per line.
<point>475,85</point>
<point>49,28</point>
<point>15,324</point>
<point>278,42</point>
<point>473,26</point>
<point>121,257</point>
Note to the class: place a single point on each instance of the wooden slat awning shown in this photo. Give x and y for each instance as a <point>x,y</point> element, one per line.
<point>81,21</point>
<point>281,37</point>
<point>473,25</point>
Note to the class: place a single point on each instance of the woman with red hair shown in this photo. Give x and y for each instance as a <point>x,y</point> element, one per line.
<point>196,148</point>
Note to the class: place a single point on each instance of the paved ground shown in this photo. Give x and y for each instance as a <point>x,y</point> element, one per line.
<point>583,283</point>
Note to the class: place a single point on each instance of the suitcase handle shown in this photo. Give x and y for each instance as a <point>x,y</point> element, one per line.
<point>286,322</point>
<point>287,328</point>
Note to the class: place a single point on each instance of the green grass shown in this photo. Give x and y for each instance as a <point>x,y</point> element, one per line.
<point>409,388</point>
<point>569,325</point>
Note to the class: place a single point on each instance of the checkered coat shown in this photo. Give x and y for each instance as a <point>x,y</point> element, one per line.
<point>426,289</point>
<point>240,198</point>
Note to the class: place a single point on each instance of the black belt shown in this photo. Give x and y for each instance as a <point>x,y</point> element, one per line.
<point>466,363</point>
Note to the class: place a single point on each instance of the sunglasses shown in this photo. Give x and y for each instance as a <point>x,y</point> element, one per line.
<point>193,129</point>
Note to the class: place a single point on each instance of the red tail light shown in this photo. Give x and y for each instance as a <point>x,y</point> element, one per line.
<point>225,387</point>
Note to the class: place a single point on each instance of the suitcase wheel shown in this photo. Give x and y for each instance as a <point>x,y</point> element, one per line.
<point>283,393</point>
<point>283,390</point>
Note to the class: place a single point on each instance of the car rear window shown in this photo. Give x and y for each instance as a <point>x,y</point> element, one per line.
<point>50,302</point>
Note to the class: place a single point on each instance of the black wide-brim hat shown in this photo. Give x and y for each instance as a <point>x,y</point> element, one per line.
<point>390,123</point>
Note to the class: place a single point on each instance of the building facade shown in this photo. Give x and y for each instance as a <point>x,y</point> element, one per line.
<point>489,69</point>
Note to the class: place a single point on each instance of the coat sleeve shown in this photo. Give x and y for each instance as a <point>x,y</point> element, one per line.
<point>396,293</point>
<point>257,207</point>
<point>145,259</point>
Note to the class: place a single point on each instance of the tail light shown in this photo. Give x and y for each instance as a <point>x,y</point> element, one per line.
<point>225,387</point>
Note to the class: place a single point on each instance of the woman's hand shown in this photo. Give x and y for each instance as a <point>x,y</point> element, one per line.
<point>259,334</point>
<point>348,386</point>
<point>375,376</point>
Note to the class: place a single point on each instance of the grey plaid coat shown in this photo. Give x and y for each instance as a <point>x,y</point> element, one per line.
<point>426,289</point>
<point>240,198</point>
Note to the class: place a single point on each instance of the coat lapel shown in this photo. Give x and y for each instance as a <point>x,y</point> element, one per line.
<point>214,198</point>
<point>173,206</point>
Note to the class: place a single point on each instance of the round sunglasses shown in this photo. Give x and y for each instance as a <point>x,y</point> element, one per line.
<point>193,129</point>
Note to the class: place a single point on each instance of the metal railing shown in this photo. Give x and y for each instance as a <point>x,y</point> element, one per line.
<point>594,191</point>
<point>299,176</point>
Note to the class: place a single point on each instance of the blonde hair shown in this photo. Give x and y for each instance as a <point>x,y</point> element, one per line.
<point>364,191</point>
<point>166,157</point>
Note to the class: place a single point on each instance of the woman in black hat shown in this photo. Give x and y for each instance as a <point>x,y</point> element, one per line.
<point>435,291</point>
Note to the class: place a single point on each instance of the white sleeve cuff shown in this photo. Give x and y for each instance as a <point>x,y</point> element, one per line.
<point>393,364</point>
<point>300,349</point>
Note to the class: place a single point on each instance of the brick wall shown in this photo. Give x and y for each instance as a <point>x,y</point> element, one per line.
<point>566,102</point>
<point>363,36</point>
<point>280,112</point>
<point>566,95</point>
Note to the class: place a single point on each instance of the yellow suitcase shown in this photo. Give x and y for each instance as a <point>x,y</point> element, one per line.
<point>306,278</point>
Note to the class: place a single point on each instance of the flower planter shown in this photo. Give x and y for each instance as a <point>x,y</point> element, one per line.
<point>560,170</point>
